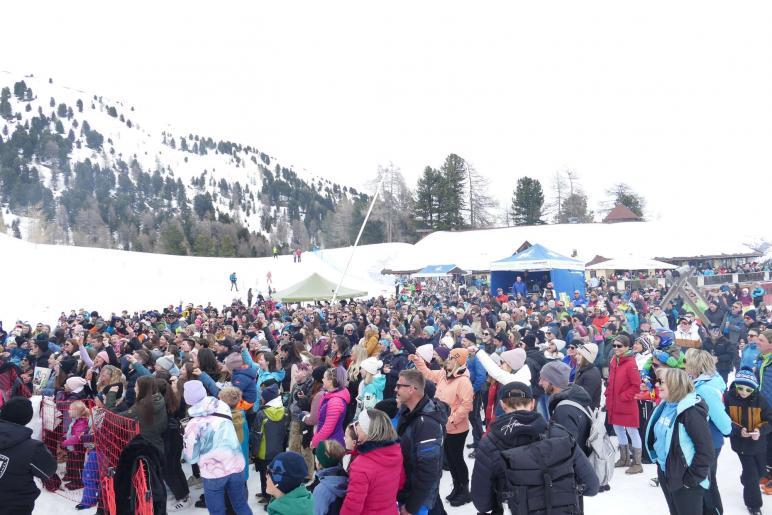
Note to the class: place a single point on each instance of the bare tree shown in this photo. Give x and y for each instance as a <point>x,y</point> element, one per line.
<point>559,193</point>
<point>394,204</point>
<point>481,203</point>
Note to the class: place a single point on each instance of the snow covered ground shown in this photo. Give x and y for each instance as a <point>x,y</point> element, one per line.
<point>629,493</point>
<point>41,281</point>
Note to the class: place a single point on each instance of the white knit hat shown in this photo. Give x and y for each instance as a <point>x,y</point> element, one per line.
<point>372,365</point>
<point>426,351</point>
<point>448,341</point>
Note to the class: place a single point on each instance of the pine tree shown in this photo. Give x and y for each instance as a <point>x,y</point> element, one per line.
<point>621,193</point>
<point>5,105</point>
<point>527,202</point>
<point>425,207</point>
<point>452,200</point>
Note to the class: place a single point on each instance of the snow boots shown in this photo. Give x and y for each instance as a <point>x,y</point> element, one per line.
<point>462,496</point>
<point>624,456</point>
<point>636,467</point>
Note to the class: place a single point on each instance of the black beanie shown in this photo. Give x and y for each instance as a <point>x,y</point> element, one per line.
<point>68,364</point>
<point>42,342</point>
<point>318,373</point>
<point>17,410</point>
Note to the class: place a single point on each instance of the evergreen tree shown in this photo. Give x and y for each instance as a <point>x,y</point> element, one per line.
<point>426,205</point>
<point>20,89</point>
<point>527,202</point>
<point>5,105</point>
<point>452,200</point>
<point>621,193</point>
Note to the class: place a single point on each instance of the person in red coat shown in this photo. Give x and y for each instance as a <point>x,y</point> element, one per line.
<point>624,383</point>
<point>373,479</point>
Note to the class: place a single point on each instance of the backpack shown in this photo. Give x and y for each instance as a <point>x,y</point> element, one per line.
<point>602,452</point>
<point>539,477</point>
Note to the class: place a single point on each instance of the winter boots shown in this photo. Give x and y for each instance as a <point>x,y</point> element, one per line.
<point>624,456</point>
<point>462,496</point>
<point>452,493</point>
<point>636,467</point>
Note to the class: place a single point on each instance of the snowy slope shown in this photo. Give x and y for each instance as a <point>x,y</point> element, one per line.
<point>143,141</point>
<point>41,281</point>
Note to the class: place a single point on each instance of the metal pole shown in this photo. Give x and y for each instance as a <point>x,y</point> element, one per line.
<point>361,230</point>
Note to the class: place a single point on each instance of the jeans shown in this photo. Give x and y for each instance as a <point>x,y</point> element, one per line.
<point>635,436</point>
<point>474,418</point>
<point>214,493</point>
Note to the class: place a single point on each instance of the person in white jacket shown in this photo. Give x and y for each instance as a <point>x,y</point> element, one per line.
<point>512,366</point>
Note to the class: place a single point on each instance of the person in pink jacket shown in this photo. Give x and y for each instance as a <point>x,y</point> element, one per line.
<point>454,388</point>
<point>332,410</point>
<point>373,479</point>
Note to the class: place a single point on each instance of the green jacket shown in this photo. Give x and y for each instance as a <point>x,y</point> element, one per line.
<point>297,502</point>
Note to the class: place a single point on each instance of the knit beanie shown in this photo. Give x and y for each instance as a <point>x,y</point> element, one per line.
<point>288,471</point>
<point>17,410</point>
<point>194,392</point>
<point>529,340</point>
<point>426,352</point>
<point>371,365</point>
<point>42,342</point>
<point>68,364</point>
<point>560,344</point>
<point>318,373</point>
<point>515,358</point>
<point>429,330</point>
<point>104,356</point>
<point>233,361</point>
<point>165,362</point>
<point>269,394</point>
<point>448,341</point>
<point>751,313</point>
<point>746,377</point>
<point>443,352</point>
<point>588,351</point>
<point>325,460</point>
<point>556,373</point>
<point>461,356</point>
<point>76,384</point>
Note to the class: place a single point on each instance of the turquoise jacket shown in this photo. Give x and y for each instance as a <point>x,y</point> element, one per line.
<point>711,390</point>
<point>687,445</point>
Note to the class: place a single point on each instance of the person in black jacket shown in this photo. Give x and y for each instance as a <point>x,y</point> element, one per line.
<point>520,425</point>
<point>554,380</point>
<point>751,423</point>
<point>21,459</point>
<point>421,429</point>
<point>683,480</point>
<point>724,351</point>
<point>587,374</point>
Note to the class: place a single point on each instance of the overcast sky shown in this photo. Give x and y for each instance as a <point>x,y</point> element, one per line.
<point>674,98</point>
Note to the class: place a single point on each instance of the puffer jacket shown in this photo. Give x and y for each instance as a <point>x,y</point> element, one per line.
<point>375,476</point>
<point>332,412</point>
<point>210,440</point>
<point>711,389</point>
<point>456,391</point>
<point>372,392</point>
<point>573,419</point>
<point>332,485</point>
<point>624,382</point>
<point>751,413</point>
<point>421,437</point>
<point>589,378</point>
<point>154,431</point>
<point>23,460</point>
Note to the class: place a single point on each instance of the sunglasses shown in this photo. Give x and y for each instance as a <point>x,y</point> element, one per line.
<point>618,346</point>
<point>486,334</point>
<point>403,385</point>
<point>741,388</point>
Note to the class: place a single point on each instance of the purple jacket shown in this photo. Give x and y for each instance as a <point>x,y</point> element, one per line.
<point>331,414</point>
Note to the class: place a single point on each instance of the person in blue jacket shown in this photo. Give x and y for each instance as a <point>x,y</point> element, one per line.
<point>479,377</point>
<point>678,440</point>
<point>710,386</point>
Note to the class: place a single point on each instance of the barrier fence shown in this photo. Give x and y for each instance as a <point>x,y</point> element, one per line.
<point>90,455</point>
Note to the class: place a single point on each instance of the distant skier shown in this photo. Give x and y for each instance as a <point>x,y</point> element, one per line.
<point>233,282</point>
<point>275,252</point>
<point>249,298</point>
<point>298,252</point>
<point>269,278</point>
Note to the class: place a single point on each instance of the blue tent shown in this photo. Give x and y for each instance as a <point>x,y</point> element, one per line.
<point>439,271</point>
<point>538,265</point>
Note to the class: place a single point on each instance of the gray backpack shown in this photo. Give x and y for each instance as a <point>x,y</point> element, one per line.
<point>602,451</point>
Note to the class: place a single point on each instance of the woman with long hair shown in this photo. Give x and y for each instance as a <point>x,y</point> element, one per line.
<point>173,474</point>
<point>149,410</point>
<point>624,383</point>
<point>353,377</point>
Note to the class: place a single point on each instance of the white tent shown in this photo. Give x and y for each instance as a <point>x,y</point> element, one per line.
<point>631,263</point>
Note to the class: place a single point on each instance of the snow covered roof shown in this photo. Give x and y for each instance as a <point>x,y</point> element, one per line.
<point>438,271</point>
<point>631,263</point>
<point>537,257</point>
<point>475,250</point>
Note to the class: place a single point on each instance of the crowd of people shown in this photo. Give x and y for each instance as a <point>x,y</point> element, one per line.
<point>360,406</point>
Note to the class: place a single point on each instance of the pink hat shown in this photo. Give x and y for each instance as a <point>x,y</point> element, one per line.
<point>104,356</point>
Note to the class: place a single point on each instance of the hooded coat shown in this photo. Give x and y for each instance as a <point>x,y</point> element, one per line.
<point>153,431</point>
<point>513,430</point>
<point>751,413</point>
<point>574,420</point>
<point>374,479</point>
<point>21,460</point>
<point>456,391</point>
<point>332,485</point>
<point>589,378</point>
<point>210,440</point>
<point>332,412</point>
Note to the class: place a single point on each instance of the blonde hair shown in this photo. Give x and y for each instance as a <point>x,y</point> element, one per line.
<point>334,449</point>
<point>358,355</point>
<point>80,408</point>
<point>381,429</point>
<point>698,362</point>
<point>230,395</point>
<point>677,382</point>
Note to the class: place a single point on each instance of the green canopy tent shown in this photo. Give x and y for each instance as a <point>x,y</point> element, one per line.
<point>316,287</point>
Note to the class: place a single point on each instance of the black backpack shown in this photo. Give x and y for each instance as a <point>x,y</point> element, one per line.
<point>539,477</point>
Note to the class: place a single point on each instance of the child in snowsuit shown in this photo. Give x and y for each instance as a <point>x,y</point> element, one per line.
<point>80,417</point>
<point>270,435</point>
